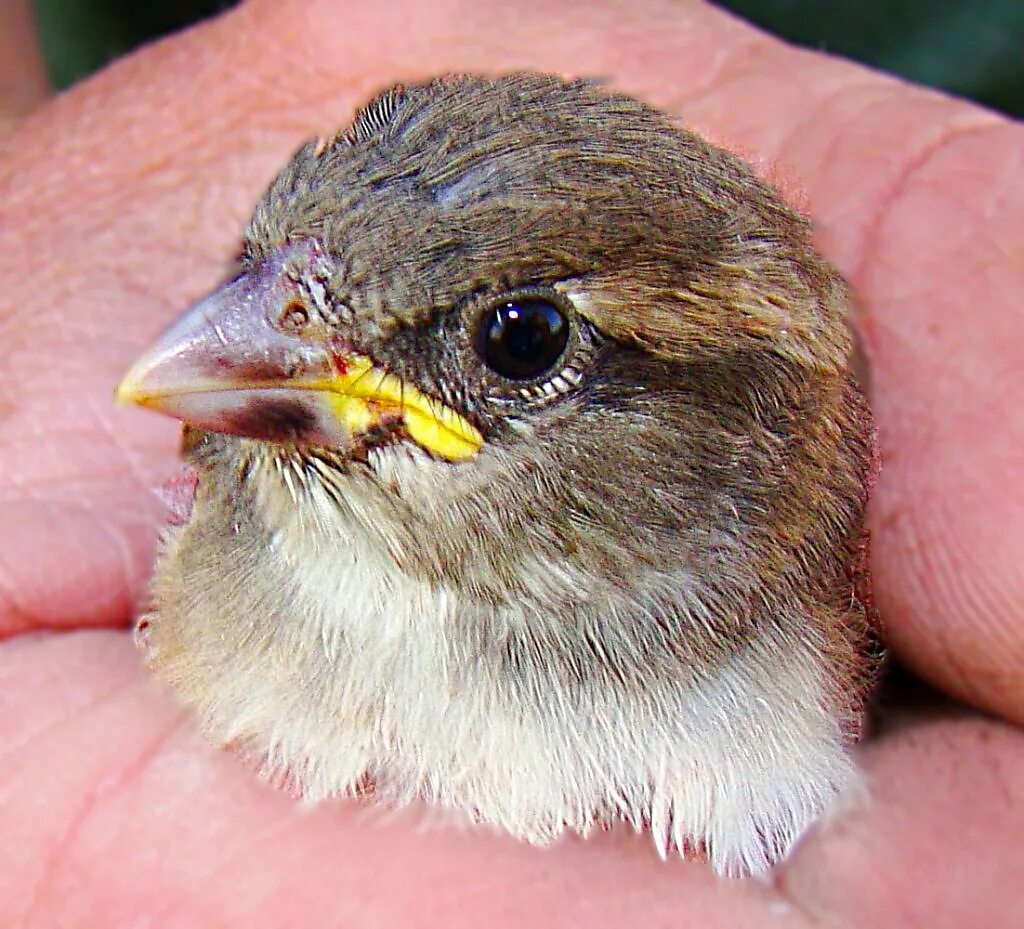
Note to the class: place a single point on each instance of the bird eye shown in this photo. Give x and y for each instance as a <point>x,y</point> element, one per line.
<point>521,339</point>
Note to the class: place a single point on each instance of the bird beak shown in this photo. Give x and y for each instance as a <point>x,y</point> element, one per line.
<point>251,360</point>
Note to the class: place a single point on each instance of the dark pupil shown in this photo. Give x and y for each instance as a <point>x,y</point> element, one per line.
<point>523,338</point>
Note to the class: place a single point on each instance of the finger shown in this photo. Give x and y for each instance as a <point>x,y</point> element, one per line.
<point>23,81</point>
<point>116,811</point>
<point>936,843</point>
<point>876,156</point>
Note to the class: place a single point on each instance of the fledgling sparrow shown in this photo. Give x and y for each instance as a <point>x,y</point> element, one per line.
<point>531,479</point>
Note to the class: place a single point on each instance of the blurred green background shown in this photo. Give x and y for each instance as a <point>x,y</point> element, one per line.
<point>974,48</point>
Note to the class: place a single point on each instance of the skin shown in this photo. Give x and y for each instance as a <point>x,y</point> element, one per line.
<point>112,808</point>
<point>23,83</point>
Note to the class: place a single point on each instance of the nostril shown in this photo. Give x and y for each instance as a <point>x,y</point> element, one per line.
<point>294,317</point>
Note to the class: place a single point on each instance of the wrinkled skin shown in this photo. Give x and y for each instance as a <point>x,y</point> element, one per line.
<point>123,200</point>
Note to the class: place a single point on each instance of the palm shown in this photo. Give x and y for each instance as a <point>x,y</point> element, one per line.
<point>124,200</point>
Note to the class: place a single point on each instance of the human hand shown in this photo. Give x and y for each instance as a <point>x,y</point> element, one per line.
<point>124,200</point>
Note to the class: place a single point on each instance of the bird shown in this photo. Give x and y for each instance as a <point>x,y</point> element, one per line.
<point>526,477</point>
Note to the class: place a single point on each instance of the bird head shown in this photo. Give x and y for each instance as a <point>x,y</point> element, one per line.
<point>528,323</point>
